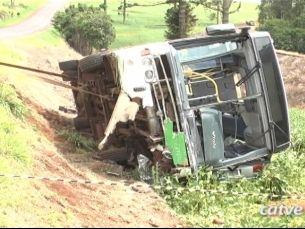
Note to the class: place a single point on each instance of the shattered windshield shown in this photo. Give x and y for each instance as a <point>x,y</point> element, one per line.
<point>201,52</point>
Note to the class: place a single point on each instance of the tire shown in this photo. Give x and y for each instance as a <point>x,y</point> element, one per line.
<point>70,65</point>
<point>91,63</point>
<point>72,75</point>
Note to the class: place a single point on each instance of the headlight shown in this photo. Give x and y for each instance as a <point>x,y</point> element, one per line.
<point>149,76</point>
<point>147,61</point>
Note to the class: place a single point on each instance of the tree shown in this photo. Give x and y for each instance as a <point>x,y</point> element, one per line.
<point>124,11</point>
<point>280,9</point>
<point>221,7</point>
<point>285,21</point>
<point>104,6</point>
<point>179,19</point>
<point>12,3</point>
<point>85,28</point>
<point>125,5</point>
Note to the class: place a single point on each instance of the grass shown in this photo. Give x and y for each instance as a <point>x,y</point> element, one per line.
<point>17,197</point>
<point>12,141</point>
<point>284,175</point>
<point>24,8</point>
<point>78,140</point>
<point>10,101</point>
<point>21,203</point>
<point>146,24</point>
<point>48,37</point>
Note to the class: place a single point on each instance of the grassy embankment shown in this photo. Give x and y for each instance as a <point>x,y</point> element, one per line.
<point>9,16</point>
<point>20,202</point>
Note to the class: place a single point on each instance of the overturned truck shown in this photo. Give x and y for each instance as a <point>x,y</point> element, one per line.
<point>216,100</point>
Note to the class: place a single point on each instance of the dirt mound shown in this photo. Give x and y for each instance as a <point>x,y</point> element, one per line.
<point>293,69</point>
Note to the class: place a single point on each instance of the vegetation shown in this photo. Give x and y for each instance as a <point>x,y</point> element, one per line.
<point>145,25</point>
<point>17,138</point>
<point>286,34</point>
<point>85,28</point>
<point>175,27</point>
<point>221,8</point>
<point>9,100</point>
<point>12,142</point>
<point>16,11</point>
<point>20,200</point>
<point>284,175</point>
<point>285,21</point>
<point>78,140</point>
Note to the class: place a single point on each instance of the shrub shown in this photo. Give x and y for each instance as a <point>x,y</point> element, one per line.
<point>85,28</point>
<point>285,35</point>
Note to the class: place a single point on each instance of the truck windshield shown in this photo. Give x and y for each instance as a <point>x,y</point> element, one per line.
<point>202,52</point>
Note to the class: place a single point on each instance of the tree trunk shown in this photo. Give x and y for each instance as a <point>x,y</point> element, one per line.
<point>105,6</point>
<point>218,12</point>
<point>182,19</point>
<point>124,11</point>
<point>226,4</point>
<point>12,3</point>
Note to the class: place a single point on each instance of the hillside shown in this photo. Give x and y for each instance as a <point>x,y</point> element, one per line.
<point>293,70</point>
<point>45,152</point>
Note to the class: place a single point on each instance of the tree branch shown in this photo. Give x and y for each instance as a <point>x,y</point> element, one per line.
<point>238,8</point>
<point>207,5</point>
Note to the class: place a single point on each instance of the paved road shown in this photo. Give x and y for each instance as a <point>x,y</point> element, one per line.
<point>37,22</point>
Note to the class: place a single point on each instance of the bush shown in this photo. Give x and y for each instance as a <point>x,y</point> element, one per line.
<point>85,28</point>
<point>285,35</point>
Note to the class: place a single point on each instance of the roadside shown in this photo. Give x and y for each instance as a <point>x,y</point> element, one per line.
<point>40,20</point>
<point>19,12</point>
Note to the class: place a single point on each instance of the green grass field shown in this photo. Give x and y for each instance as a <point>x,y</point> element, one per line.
<point>146,24</point>
<point>24,8</point>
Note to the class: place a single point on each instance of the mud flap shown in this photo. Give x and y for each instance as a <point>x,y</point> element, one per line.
<point>175,142</point>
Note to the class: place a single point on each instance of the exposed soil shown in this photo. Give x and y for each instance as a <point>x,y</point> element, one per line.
<point>293,69</point>
<point>117,205</point>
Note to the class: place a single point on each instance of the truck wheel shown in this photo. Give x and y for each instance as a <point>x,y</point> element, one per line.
<point>91,63</point>
<point>68,65</point>
<point>72,75</point>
